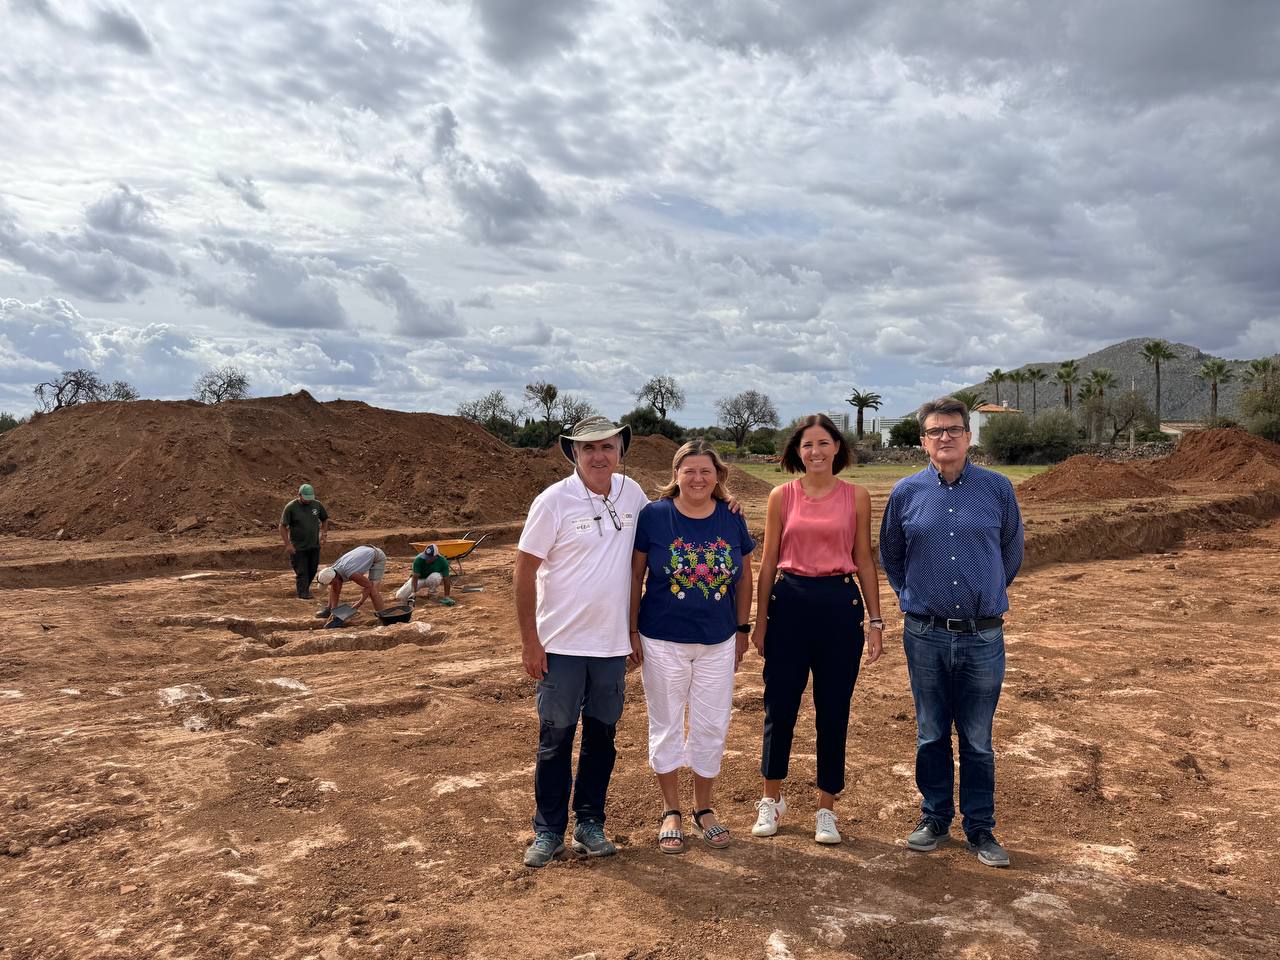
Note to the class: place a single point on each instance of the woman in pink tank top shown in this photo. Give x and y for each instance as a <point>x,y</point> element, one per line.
<point>809,613</point>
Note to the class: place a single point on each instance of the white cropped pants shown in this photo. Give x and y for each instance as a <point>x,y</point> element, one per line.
<point>429,585</point>
<point>697,677</point>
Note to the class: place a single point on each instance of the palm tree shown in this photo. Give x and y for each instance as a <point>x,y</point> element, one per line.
<point>1034,376</point>
<point>970,398</point>
<point>1102,380</point>
<point>997,377</point>
<point>1258,370</point>
<point>1018,378</point>
<point>1153,353</point>
<point>860,401</point>
<point>1067,374</point>
<point>1214,371</point>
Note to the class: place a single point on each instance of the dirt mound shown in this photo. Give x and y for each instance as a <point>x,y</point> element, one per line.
<point>124,471</point>
<point>128,470</point>
<point>1225,455</point>
<point>1086,477</point>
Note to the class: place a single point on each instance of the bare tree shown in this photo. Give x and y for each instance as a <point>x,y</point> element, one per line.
<point>493,412</point>
<point>545,397</point>
<point>661,393</point>
<point>69,388</point>
<point>222,383</point>
<point>744,412</point>
<point>573,409</point>
<point>120,390</point>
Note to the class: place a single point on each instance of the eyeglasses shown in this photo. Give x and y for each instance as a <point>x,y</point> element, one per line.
<point>935,433</point>
<point>613,515</point>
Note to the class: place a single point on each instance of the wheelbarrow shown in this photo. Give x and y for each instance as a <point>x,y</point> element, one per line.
<point>453,550</point>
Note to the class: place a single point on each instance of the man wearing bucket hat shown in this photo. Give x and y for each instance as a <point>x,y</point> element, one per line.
<point>303,527</point>
<point>430,573</point>
<point>572,588</point>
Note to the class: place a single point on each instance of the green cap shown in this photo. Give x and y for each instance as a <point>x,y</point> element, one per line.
<point>306,492</point>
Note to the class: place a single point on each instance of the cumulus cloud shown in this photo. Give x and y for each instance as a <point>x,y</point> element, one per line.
<point>500,201</point>
<point>96,273</point>
<point>124,210</point>
<point>802,194</point>
<point>120,26</point>
<point>517,33</point>
<point>244,188</point>
<point>273,288</point>
<point>415,317</point>
<point>110,24</point>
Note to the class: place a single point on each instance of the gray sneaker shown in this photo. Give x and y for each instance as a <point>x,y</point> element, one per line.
<point>928,835</point>
<point>546,846</point>
<point>589,840</point>
<point>988,849</point>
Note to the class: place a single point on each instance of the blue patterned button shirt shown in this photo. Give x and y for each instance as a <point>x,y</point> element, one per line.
<point>951,549</point>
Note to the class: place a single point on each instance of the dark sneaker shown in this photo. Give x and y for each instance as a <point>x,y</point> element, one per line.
<point>546,847</point>
<point>988,849</point>
<point>589,840</point>
<point>305,595</point>
<point>928,835</point>
<point>323,613</point>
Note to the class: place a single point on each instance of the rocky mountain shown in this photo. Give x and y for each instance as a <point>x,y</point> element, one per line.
<point>1184,396</point>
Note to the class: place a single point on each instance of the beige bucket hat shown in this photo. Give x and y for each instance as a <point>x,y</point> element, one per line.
<point>594,428</point>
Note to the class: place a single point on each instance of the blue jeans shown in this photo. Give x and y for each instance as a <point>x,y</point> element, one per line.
<point>955,680</point>
<point>593,688</point>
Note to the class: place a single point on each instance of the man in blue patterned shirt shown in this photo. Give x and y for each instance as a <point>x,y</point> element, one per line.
<point>950,543</point>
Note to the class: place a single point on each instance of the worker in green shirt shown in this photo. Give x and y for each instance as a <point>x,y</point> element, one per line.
<point>303,526</point>
<point>430,573</point>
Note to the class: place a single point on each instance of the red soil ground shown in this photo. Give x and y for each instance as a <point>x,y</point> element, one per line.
<point>1086,477</point>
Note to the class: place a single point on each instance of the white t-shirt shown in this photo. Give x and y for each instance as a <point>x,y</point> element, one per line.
<point>584,582</point>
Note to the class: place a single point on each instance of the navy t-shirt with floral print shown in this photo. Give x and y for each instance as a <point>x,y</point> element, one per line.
<point>694,567</point>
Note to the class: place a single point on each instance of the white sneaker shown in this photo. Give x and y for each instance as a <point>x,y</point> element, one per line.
<point>827,832</point>
<point>769,812</point>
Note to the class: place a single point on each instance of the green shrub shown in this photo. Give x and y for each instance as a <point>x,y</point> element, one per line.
<point>905,433</point>
<point>1006,437</point>
<point>726,448</point>
<point>644,422</point>
<point>761,445</point>
<point>1265,425</point>
<point>8,421</point>
<point>1054,436</point>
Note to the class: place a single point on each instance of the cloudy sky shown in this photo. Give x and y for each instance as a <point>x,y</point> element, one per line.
<point>415,203</point>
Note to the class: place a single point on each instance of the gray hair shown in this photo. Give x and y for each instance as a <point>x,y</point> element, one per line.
<point>947,406</point>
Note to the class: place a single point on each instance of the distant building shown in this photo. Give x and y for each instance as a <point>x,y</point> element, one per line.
<point>981,415</point>
<point>841,419</point>
<point>883,425</point>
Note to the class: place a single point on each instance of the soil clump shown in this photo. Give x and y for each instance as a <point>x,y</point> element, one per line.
<point>1086,477</point>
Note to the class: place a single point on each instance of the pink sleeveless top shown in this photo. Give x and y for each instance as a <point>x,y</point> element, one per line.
<point>818,535</point>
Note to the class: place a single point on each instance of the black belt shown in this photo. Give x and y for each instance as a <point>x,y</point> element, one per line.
<point>958,624</point>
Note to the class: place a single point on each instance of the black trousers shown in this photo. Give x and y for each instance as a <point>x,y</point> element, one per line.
<point>305,564</point>
<point>815,627</point>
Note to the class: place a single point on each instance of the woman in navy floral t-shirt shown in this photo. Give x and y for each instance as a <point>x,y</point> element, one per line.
<point>689,630</point>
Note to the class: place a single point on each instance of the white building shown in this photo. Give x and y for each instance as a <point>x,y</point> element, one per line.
<point>841,419</point>
<point>981,415</point>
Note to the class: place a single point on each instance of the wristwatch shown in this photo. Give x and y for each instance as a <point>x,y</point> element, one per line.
<point>744,628</point>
